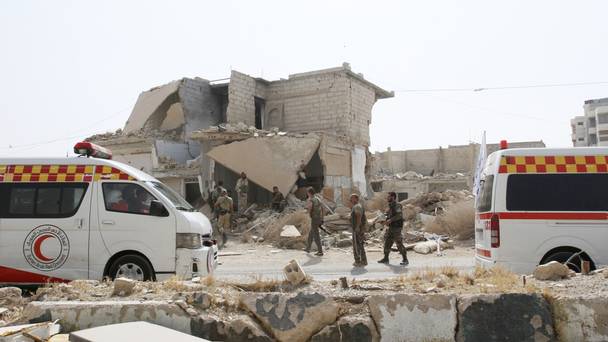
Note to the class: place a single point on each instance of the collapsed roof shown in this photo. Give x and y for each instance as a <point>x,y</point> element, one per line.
<point>268,161</point>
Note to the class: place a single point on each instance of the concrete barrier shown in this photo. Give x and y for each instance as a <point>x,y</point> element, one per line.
<point>414,317</point>
<point>291,318</point>
<point>360,328</point>
<point>82,315</point>
<point>580,318</point>
<point>504,317</point>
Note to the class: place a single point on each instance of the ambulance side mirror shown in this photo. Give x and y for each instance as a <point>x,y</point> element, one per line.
<point>158,209</point>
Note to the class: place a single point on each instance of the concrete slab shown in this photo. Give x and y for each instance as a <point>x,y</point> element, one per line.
<point>268,161</point>
<point>414,317</point>
<point>581,318</point>
<point>291,318</point>
<point>75,316</point>
<point>504,317</point>
<point>132,331</point>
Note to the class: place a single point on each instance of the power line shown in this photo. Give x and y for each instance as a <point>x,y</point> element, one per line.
<point>73,134</point>
<point>555,85</point>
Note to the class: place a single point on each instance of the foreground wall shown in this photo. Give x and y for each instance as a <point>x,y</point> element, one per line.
<point>394,317</point>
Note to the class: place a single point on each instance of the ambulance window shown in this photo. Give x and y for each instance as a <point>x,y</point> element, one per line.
<point>47,201</point>
<point>35,200</point>
<point>557,192</point>
<point>127,198</point>
<point>484,202</point>
<point>71,198</point>
<point>22,200</point>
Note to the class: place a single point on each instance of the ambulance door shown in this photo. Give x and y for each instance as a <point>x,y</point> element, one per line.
<point>126,224</point>
<point>44,232</point>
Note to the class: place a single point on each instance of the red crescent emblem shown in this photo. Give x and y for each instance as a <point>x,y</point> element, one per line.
<point>37,246</point>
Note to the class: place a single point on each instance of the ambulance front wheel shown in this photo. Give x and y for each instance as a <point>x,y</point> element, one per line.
<point>131,266</point>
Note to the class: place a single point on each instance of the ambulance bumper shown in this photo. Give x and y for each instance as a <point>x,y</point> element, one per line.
<point>199,262</point>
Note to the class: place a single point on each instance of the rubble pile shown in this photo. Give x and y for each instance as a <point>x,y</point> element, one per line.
<point>241,129</point>
<point>444,213</point>
<point>413,175</point>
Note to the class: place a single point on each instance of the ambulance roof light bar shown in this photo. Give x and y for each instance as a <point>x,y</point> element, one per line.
<point>504,145</point>
<point>88,149</point>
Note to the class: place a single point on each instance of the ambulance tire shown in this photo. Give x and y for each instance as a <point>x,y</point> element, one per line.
<point>137,261</point>
<point>563,256</point>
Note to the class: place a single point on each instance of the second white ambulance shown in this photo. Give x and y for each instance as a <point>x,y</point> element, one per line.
<point>89,218</point>
<point>541,205</point>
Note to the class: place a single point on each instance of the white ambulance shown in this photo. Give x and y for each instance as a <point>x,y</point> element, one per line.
<point>540,205</point>
<point>88,218</point>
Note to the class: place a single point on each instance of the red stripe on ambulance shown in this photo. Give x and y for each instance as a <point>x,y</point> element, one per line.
<point>15,276</point>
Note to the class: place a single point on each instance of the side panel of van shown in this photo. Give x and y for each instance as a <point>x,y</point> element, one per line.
<point>44,231</point>
<point>125,224</point>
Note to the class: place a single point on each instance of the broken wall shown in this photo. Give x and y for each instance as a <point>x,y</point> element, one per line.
<point>176,151</point>
<point>147,103</point>
<point>310,102</point>
<point>335,155</point>
<point>241,99</point>
<point>454,159</point>
<point>202,107</point>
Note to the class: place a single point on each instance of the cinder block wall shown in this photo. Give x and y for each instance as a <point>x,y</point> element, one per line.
<point>241,103</point>
<point>329,101</point>
<point>462,158</point>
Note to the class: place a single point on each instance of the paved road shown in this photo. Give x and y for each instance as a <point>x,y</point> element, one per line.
<point>245,261</point>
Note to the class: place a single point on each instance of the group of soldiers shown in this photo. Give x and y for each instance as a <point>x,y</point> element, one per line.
<point>393,235</point>
<point>223,205</point>
<point>223,208</point>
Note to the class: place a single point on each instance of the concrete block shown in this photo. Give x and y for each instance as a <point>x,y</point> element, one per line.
<point>580,318</point>
<point>240,328</point>
<point>83,315</point>
<point>504,317</point>
<point>349,329</point>
<point>414,317</point>
<point>291,318</point>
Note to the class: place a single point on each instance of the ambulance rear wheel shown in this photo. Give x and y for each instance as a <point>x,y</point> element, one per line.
<point>563,256</point>
<point>131,266</point>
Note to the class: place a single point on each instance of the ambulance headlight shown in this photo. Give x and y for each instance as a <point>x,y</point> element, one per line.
<point>189,240</point>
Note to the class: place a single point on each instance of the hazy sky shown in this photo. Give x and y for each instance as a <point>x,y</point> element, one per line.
<point>69,69</point>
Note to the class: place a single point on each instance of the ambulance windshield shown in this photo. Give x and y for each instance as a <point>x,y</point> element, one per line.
<point>175,198</point>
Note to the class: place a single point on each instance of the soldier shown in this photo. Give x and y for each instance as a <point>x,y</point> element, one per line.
<point>215,194</point>
<point>242,187</point>
<point>224,206</point>
<point>394,222</point>
<point>277,199</point>
<point>359,224</point>
<point>315,210</point>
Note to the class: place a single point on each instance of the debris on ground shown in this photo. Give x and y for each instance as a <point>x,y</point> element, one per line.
<point>552,270</point>
<point>29,332</point>
<point>123,287</point>
<point>290,231</point>
<point>294,273</point>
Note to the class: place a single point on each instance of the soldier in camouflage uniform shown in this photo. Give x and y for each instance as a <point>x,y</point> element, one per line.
<point>393,234</point>
<point>224,206</point>
<point>242,188</point>
<point>315,210</point>
<point>359,225</point>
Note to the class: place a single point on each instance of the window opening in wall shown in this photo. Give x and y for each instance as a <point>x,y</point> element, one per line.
<point>402,196</point>
<point>193,193</point>
<point>260,104</point>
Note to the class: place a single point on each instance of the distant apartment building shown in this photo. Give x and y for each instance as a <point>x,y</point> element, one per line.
<point>591,129</point>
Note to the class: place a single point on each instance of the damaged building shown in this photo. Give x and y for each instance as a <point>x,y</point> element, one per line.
<point>190,133</point>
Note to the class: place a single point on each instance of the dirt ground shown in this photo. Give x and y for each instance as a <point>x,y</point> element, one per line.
<point>244,261</point>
